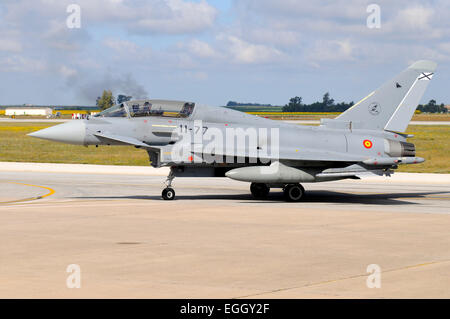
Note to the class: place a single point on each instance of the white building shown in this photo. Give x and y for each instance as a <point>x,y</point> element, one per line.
<point>22,110</point>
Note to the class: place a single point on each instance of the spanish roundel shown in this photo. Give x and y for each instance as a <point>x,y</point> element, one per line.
<point>367,143</point>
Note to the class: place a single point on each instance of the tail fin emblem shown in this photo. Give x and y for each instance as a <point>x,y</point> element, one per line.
<point>374,108</point>
<point>426,76</point>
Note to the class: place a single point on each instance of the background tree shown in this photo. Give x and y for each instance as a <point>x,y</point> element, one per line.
<point>327,105</point>
<point>294,105</point>
<point>327,101</point>
<point>432,107</point>
<point>106,100</point>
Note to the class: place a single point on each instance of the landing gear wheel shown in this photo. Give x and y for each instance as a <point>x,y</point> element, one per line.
<point>293,192</point>
<point>168,193</point>
<point>259,190</point>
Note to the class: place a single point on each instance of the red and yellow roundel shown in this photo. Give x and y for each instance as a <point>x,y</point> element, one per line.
<point>367,143</point>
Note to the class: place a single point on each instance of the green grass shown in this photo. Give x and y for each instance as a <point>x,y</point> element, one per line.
<point>16,146</point>
<point>432,143</point>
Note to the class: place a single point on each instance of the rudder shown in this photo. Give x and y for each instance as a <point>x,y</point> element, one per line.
<point>392,106</point>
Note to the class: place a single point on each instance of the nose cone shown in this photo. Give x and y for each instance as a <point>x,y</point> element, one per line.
<point>72,132</point>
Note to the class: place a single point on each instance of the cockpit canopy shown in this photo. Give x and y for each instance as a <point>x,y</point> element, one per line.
<point>141,108</point>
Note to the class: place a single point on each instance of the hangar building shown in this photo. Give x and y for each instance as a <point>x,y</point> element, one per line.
<point>23,110</point>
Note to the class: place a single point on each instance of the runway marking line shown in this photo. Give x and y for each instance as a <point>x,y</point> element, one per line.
<point>244,188</point>
<point>342,279</point>
<point>51,192</point>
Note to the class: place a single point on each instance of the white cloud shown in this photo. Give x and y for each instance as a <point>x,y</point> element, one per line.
<point>10,45</point>
<point>152,16</point>
<point>312,31</point>
<point>244,52</point>
<point>331,51</point>
<point>143,17</point>
<point>414,22</point>
<point>10,41</point>
<point>58,36</point>
<point>348,9</point>
<point>190,75</point>
<point>265,35</point>
<point>201,49</point>
<point>121,45</point>
<point>180,17</point>
<point>17,63</point>
<point>67,71</point>
<point>415,18</point>
<point>176,39</point>
<point>445,47</point>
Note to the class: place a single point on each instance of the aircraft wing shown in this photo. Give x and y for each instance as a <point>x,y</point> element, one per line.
<point>122,139</point>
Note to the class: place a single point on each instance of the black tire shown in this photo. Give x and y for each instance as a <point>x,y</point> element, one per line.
<point>168,193</point>
<point>259,190</point>
<point>294,192</point>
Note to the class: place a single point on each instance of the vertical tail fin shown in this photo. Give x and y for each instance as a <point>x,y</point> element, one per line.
<point>392,106</point>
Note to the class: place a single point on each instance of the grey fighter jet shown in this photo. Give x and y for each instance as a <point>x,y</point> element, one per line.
<point>202,141</point>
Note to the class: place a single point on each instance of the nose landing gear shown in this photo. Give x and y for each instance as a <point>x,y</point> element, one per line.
<point>168,193</point>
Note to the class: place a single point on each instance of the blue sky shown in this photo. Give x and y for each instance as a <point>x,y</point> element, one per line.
<point>215,51</point>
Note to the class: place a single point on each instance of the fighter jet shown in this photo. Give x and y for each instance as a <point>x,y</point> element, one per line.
<point>196,140</point>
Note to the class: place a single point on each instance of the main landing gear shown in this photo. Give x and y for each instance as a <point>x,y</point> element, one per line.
<point>168,193</point>
<point>292,192</point>
<point>259,190</point>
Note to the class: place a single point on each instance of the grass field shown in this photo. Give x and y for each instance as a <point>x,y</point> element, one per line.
<point>15,146</point>
<point>432,143</point>
<point>431,117</point>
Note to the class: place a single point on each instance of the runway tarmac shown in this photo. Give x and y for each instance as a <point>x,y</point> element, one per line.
<point>216,241</point>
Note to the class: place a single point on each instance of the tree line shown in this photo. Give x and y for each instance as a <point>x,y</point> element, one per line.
<point>295,104</point>
<point>432,107</point>
<point>234,103</point>
<point>327,105</point>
